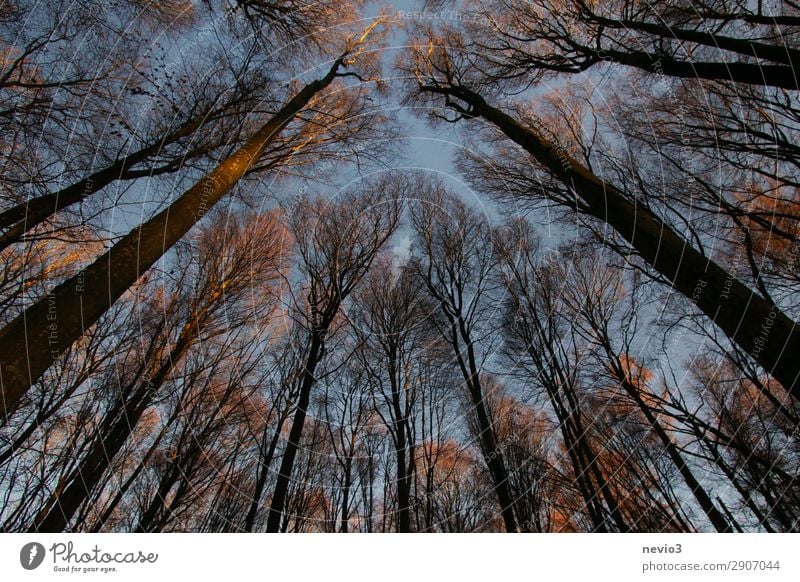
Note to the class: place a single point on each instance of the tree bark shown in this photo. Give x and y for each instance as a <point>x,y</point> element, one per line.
<point>491,449</point>
<point>400,432</point>
<point>107,443</point>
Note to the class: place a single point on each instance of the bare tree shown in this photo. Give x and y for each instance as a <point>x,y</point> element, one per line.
<point>663,37</point>
<point>391,323</point>
<point>230,267</point>
<point>455,266</point>
<point>75,310</point>
<point>337,243</point>
<point>749,319</point>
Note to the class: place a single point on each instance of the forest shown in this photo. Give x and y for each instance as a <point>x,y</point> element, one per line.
<point>438,266</point>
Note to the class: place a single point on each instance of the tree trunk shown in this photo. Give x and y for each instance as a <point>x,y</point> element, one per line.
<point>492,455</point>
<point>761,75</point>
<point>348,483</point>
<point>263,471</point>
<point>143,464</point>
<point>50,326</point>
<point>494,460</point>
<point>400,430</point>
<point>491,449</point>
<point>108,442</point>
<point>403,492</point>
<point>750,321</point>
<point>153,517</point>
<point>295,434</point>
<point>751,48</point>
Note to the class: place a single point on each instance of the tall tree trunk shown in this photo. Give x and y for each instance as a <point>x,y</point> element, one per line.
<point>489,445</point>
<point>492,455</point>
<point>494,460</point>
<point>777,53</point>
<point>50,326</point>
<point>403,491</point>
<point>782,76</point>
<point>400,432</point>
<point>295,434</point>
<point>265,462</point>
<point>107,443</point>
<point>576,446</point>
<point>348,483</point>
<point>746,494</point>
<point>758,327</point>
<point>153,518</point>
<point>125,487</point>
